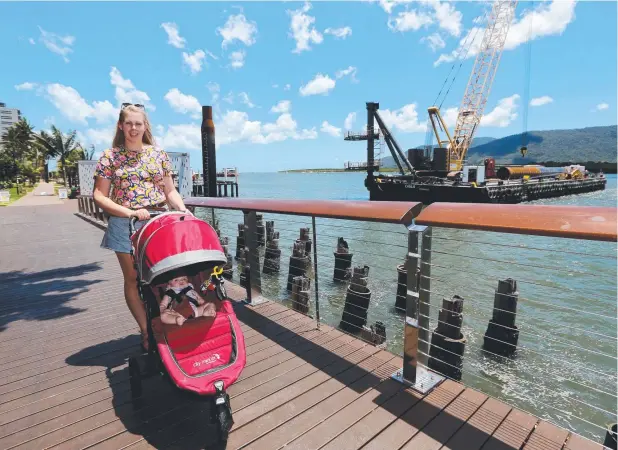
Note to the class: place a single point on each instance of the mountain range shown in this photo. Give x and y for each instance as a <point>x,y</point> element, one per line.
<point>580,145</point>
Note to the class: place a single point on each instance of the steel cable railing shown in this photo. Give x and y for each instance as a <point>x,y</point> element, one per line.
<point>546,346</point>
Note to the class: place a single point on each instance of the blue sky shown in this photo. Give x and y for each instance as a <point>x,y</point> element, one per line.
<point>286,78</point>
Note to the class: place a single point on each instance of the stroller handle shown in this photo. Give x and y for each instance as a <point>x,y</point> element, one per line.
<point>134,219</point>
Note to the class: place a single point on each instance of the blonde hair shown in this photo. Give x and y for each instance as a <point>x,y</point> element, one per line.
<point>119,136</point>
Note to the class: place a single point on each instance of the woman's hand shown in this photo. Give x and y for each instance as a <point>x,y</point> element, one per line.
<point>141,214</point>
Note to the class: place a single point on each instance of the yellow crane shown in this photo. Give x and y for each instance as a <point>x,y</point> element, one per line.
<point>478,88</point>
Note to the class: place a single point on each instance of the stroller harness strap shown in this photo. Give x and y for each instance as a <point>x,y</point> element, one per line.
<point>177,297</point>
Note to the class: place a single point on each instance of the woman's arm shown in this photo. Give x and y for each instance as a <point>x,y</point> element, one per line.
<point>101,198</point>
<point>172,195</point>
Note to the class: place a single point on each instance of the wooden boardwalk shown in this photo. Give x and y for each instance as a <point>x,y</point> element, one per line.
<point>66,335</point>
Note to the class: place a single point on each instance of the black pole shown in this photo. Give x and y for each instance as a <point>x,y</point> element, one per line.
<point>209,159</point>
<point>371,108</point>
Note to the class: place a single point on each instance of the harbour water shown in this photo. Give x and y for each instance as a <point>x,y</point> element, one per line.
<point>565,367</point>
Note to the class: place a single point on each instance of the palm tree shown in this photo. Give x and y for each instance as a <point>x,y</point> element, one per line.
<point>57,144</point>
<point>19,149</point>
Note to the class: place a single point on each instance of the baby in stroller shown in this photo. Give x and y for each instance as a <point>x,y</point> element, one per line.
<point>181,301</point>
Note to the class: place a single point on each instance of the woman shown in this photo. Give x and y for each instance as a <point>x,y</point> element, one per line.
<point>140,175</point>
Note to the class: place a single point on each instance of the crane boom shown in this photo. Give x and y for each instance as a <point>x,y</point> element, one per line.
<point>479,84</point>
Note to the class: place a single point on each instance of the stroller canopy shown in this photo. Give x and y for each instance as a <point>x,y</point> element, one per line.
<point>173,240</point>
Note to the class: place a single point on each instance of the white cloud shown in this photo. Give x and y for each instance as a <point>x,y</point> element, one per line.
<point>194,61</point>
<point>404,119</point>
<point>388,5</point>
<point>302,29</point>
<point>349,121</point>
<point>27,86</point>
<point>409,21</point>
<point>546,20</point>
<point>351,70</point>
<point>55,43</point>
<point>282,107</point>
<point>182,136</point>
<point>235,126</point>
<point>540,101</point>
<point>434,41</point>
<point>97,136</point>
<point>73,106</point>
<point>275,86</point>
<point>449,19</point>
<point>244,98</point>
<point>214,90</point>
<point>321,84</point>
<point>330,129</point>
<point>237,59</point>
<point>287,87</point>
<point>183,103</point>
<point>126,92</point>
<point>602,106</point>
<point>238,28</point>
<point>173,36</point>
<point>31,41</point>
<point>340,33</point>
<point>503,114</point>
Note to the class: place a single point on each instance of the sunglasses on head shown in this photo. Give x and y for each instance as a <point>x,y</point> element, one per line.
<point>124,105</point>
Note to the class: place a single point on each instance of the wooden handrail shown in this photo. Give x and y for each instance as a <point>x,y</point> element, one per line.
<point>576,222</point>
<point>387,212</point>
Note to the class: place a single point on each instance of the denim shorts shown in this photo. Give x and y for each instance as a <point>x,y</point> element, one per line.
<point>116,236</point>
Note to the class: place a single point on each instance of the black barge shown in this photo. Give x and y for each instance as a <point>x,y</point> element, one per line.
<point>423,176</point>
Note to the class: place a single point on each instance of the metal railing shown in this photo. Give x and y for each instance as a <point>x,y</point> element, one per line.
<point>521,302</point>
<point>516,301</point>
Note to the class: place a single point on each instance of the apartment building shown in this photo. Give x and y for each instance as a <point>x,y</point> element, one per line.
<point>8,116</point>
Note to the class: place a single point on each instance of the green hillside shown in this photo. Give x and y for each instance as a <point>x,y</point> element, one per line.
<point>581,144</point>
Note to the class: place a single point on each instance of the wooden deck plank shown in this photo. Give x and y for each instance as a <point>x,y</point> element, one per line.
<point>351,403</point>
<point>446,424</point>
<point>479,428</point>
<point>512,432</point>
<point>410,423</point>
<point>547,436</point>
<point>577,442</point>
<point>381,417</point>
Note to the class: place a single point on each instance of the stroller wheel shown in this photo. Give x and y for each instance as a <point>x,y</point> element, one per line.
<point>135,378</point>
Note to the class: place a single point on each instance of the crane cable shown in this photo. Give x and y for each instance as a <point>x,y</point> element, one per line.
<point>526,100</point>
<point>429,135</point>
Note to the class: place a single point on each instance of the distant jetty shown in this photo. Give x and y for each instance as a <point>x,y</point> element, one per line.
<point>384,169</point>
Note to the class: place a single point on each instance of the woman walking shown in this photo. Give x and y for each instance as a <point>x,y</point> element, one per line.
<point>131,178</point>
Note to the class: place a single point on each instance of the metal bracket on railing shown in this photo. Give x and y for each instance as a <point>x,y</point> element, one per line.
<point>416,325</point>
<point>252,258</point>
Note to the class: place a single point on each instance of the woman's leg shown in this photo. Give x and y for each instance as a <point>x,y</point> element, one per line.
<point>131,295</point>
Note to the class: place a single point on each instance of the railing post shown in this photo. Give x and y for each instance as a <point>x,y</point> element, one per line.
<point>252,258</point>
<point>416,326</point>
<point>315,273</point>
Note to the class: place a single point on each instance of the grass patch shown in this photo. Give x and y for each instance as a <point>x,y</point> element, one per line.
<point>23,190</point>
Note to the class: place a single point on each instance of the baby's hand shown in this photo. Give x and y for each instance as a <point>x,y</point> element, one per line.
<point>209,310</point>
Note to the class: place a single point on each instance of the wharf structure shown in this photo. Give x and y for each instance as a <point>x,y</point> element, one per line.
<point>307,383</point>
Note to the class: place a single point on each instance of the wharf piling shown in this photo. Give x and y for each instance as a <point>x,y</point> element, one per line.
<point>299,262</point>
<point>240,240</point>
<point>502,334</point>
<point>357,299</point>
<point>300,294</point>
<point>402,287</point>
<point>343,260</point>
<point>272,255</point>
<point>447,341</point>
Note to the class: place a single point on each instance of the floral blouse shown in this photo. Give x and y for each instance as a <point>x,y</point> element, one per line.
<point>137,177</point>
